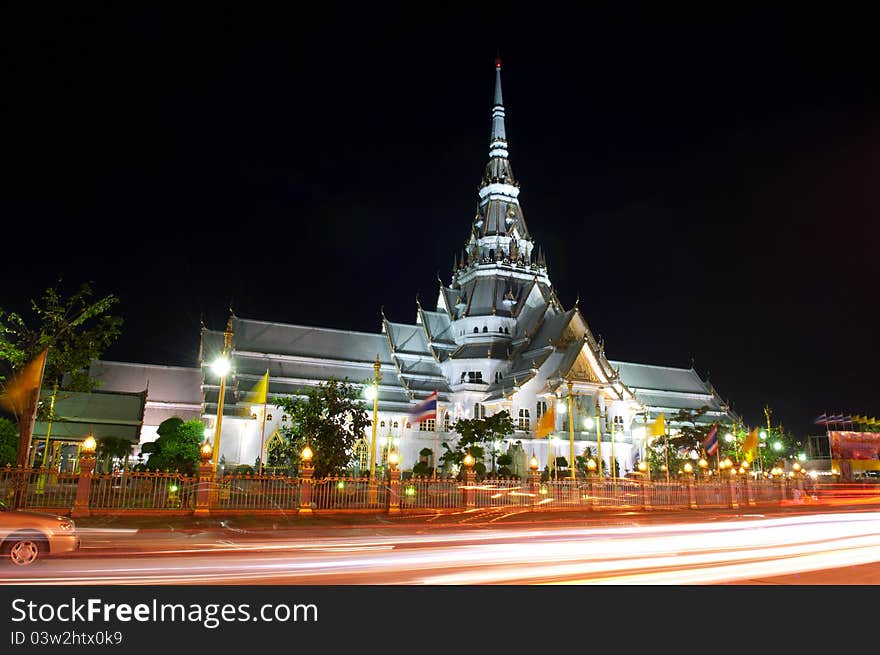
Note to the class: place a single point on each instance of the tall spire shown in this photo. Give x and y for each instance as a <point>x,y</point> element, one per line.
<point>498,145</point>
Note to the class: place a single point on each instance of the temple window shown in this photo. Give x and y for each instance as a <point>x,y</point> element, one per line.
<point>523,422</point>
<point>540,408</point>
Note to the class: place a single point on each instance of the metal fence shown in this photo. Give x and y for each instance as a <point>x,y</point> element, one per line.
<point>172,491</point>
<point>500,493</point>
<point>430,493</point>
<point>267,492</point>
<point>349,493</point>
<point>44,488</point>
<point>153,491</point>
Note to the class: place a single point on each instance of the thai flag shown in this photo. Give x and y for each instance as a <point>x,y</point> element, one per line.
<point>710,443</point>
<point>425,410</point>
<point>822,419</point>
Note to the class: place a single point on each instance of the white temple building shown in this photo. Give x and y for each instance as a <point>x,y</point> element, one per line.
<point>498,338</point>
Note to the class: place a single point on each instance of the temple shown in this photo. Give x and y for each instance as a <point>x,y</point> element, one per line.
<point>497,338</point>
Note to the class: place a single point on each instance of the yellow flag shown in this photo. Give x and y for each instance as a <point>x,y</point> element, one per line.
<point>658,427</point>
<point>750,445</point>
<point>21,392</point>
<point>256,396</point>
<point>547,423</point>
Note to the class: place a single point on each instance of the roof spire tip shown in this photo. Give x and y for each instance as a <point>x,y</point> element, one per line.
<point>497,62</point>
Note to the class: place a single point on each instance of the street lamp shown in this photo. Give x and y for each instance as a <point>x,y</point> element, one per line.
<point>688,468</point>
<point>533,463</point>
<point>777,445</point>
<point>89,446</point>
<point>468,461</point>
<point>393,459</point>
<point>374,396</point>
<point>221,367</point>
<point>591,465</point>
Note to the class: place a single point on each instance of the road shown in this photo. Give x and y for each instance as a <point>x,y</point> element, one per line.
<point>836,546</point>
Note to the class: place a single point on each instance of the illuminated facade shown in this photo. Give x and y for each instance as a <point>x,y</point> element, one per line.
<point>497,339</point>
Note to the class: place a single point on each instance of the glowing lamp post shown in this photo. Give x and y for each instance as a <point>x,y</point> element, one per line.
<point>205,452</point>
<point>221,367</point>
<point>84,482</point>
<point>307,474</point>
<point>591,465</point>
<point>393,482</point>
<point>470,478</point>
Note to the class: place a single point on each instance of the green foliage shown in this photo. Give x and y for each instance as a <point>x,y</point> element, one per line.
<point>177,448</point>
<point>76,330</point>
<point>109,448</point>
<point>330,420</point>
<point>421,469</point>
<point>8,442</point>
<point>588,454</point>
<point>475,433</point>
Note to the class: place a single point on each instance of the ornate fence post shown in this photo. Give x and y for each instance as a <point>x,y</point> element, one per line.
<point>731,491</point>
<point>750,499</point>
<point>692,493</point>
<point>84,482</point>
<point>469,479</point>
<point>306,481</point>
<point>393,483</point>
<point>205,481</point>
<point>534,480</point>
<point>646,494</point>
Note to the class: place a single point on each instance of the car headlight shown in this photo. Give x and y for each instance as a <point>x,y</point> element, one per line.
<point>66,526</point>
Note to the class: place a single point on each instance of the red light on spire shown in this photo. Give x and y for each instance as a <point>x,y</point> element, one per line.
<point>497,62</point>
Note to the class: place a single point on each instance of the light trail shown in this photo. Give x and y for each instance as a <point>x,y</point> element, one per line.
<point>671,553</point>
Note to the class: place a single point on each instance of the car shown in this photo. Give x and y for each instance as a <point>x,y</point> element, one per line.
<point>26,536</point>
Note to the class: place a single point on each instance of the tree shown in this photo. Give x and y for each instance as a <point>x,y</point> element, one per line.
<point>110,448</point>
<point>75,331</point>
<point>422,468</point>
<point>330,419</point>
<point>588,454</point>
<point>504,462</point>
<point>177,448</point>
<point>475,433</point>
<point>8,442</point>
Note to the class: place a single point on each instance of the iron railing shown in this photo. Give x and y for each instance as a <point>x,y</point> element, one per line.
<point>140,490</point>
<point>256,492</point>
<point>349,493</point>
<point>48,489</point>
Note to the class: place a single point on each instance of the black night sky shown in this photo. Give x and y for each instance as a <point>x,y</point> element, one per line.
<point>706,183</point>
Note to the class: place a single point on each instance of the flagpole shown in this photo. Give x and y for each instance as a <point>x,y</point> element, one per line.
<point>599,437</point>
<point>570,431</point>
<point>666,449</point>
<point>436,420</point>
<point>263,427</point>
